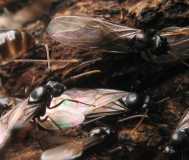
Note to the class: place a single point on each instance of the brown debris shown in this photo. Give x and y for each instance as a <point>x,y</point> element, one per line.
<point>96,68</point>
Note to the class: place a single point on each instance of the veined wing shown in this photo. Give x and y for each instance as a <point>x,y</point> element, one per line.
<point>92,32</point>
<point>110,109</point>
<point>178,42</point>
<point>68,151</point>
<point>184,121</point>
<point>67,29</point>
<point>16,118</point>
<point>74,148</point>
<point>58,119</point>
<point>88,99</point>
<point>70,109</point>
<point>96,97</point>
<point>176,34</point>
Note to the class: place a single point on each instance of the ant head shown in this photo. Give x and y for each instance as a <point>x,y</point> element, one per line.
<point>56,88</point>
<point>38,95</point>
<point>99,131</point>
<point>136,101</point>
<point>178,142</point>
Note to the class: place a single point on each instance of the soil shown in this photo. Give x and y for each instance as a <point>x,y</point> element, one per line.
<point>167,84</point>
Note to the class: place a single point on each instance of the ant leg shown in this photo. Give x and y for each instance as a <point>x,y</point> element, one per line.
<point>55,123</point>
<point>42,119</point>
<point>82,66</point>
<point>122,13</point>
<point>140,121</point>
<point>71,100</point>
<point>133,117</point>
<point>37,137</point>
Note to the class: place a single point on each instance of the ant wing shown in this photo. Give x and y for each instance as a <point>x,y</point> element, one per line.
<point>91,31</point>
<point>19,115</point>
<point>178,40</point>
<point>85,100</point>
<point>59,119</point>
<point>68,151</point>
<point>96,98</point>
<point>70,109</point>
<point>176,35</point>
<point>16,118</point>
<point>184,121</point>
<point>110,109</point>
<point>73,149</point>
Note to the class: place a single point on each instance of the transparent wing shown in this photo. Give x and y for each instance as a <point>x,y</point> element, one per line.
<point>110,109</point>
<point>176,35</point>
<point>17,117</point>
<point>68,151</point>
<point>62,119</point>
<point>72,149</point>
<point>86,100</point>
<point>80,31</point>
<point>184,121</point>
<point>96,97</point>
<point>71,108</point>
<point>87,31</point>
<point>178,42</point>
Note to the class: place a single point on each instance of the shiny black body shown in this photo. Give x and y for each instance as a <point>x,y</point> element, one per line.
<point>179,140</point>
<point>43,94</point>
<point>135,101</point>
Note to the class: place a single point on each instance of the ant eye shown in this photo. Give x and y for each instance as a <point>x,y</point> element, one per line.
<point>179,137</point>
<point>37,95</point>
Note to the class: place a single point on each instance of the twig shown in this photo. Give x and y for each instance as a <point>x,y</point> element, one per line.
<point>45,61</point>
<point>163,100</point>
<point>48,57</point>
<point>82,75</point>
<point>133,117</point>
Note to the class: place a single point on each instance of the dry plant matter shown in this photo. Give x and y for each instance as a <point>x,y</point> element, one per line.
<point>111,57</point>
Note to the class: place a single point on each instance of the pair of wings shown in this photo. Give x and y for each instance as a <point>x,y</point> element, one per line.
<point>93,32</point>
<point>18,117</point>
<point>74,105</point>
<point>87,31</point>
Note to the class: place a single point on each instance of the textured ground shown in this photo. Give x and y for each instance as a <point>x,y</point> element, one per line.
<point>168,85</point>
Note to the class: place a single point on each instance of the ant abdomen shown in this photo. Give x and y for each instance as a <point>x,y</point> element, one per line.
<point>14,43</point>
